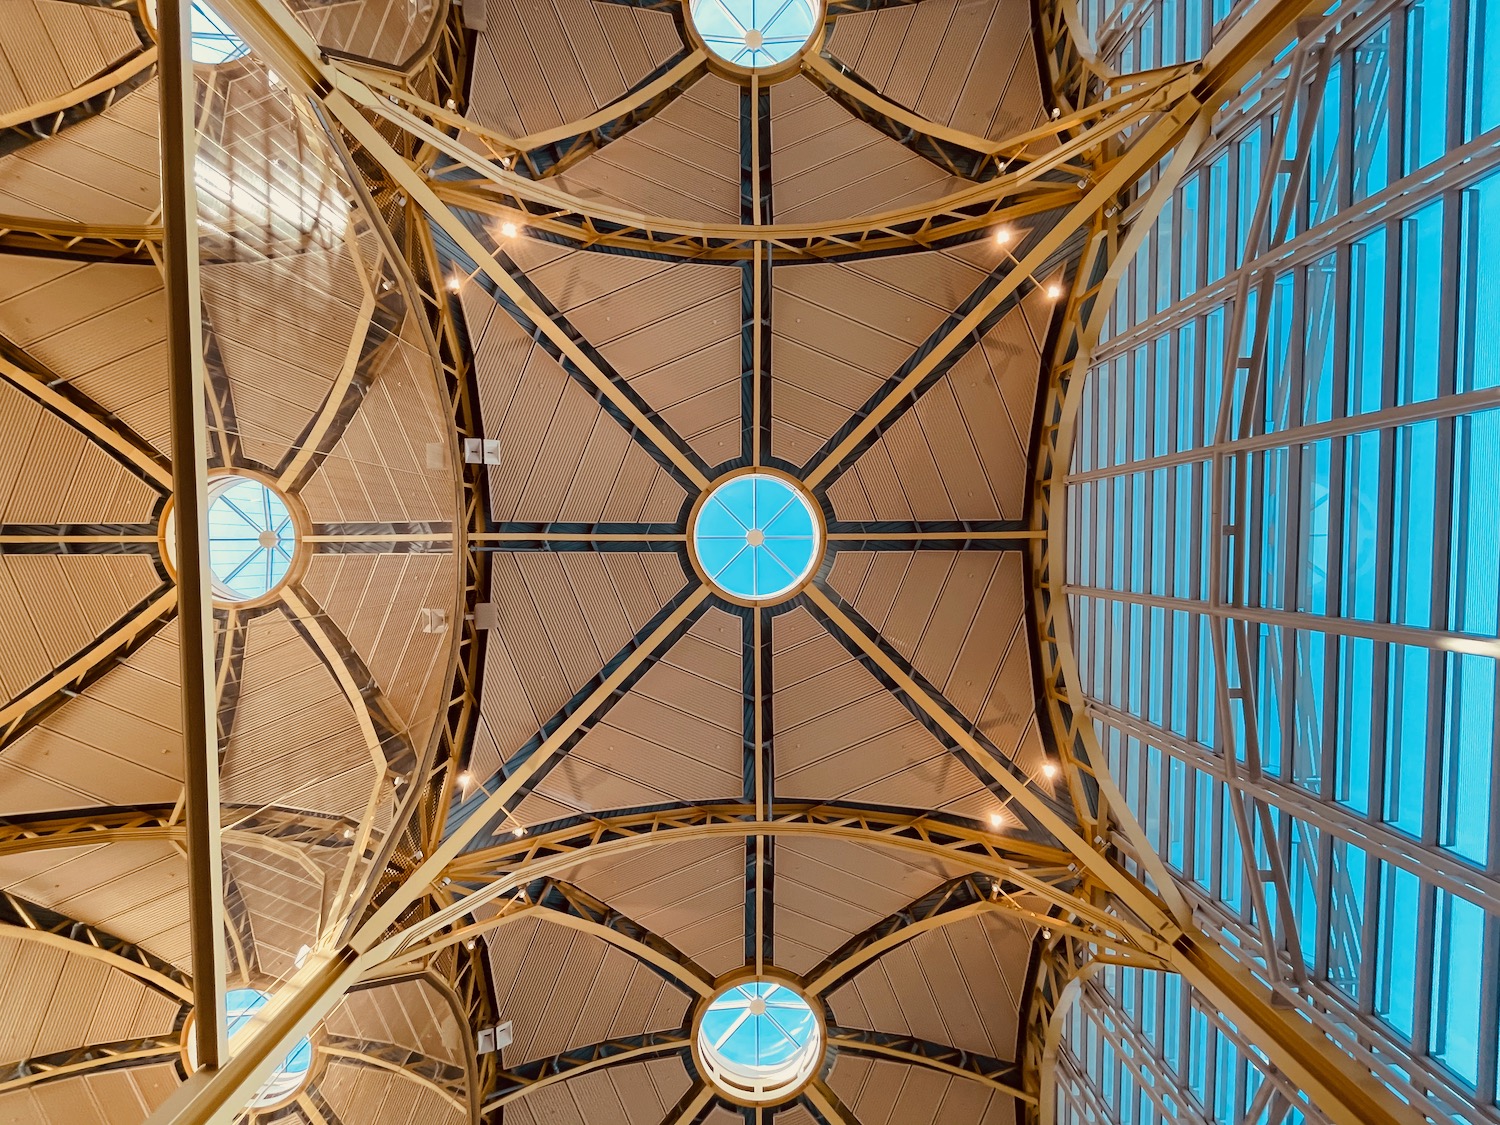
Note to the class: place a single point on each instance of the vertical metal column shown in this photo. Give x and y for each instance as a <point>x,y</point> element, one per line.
<point>190,501</point>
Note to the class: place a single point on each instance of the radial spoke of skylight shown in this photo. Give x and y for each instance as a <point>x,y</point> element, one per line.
<point>749,33</point>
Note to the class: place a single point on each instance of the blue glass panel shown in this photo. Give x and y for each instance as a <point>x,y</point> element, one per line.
<point>1479,287</point>
<point>214,41</point>
<point>755,33</point>
<point>1372,115</point>
<point>1396,961</point>
<point>1426,82</point>
<point>1421,303</point>
<point>1346,908</point>
<point>240,1004</point>
<point>251,539</point>
<point>1458,954</point>
<point>756,537</point>
<point>759,1024</point>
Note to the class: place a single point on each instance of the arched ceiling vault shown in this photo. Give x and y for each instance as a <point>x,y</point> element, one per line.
<point>496,750</point>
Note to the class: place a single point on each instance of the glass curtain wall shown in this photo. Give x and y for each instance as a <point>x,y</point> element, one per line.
<point>1284,552</point>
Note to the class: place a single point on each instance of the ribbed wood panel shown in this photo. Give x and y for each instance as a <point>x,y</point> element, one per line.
<point>683,162</point>
<point>394,461</point>
<point>691,893</point>
<point>52,47</point>
<point>51,472</point>
<point>966,63</point>
<point>562,456</point>
<point>113,1097</point>
<point>671,330</point>
<point>364,1092</point>
<point>542,63</point>
<point>637,1093</point>
<point>281,368</point>
<point>376,600</point>
<point>960,453</point>
<point>294,742</point>
<point>52,607</point>
<point>408,1013</point>
<point>842,330</point>
<point>284,901</point>
<point>677,735</point>
<point>564,989</point>
<point>829,890</point>
<point>562,618</point>
<point>134,890</point>
<point>723,1115</point>
<point>961,984</point>
<point>385,31</point>
<point>795,1115</point>
<point>840,734</point>
<point>827,164</point>
<point>959,618</point>
<point>116,743</point>
<point>101,170</point>
<point>56,1001</point>
<point>100,327</point>
<point>880,1092</point>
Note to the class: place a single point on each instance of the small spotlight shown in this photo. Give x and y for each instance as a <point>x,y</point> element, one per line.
<point>451,104</point>
<point>996,820</point>
<point>464,779</point>
<point>509,230</point>
<point>1003,236</point>
<point>1054,291</point>
<point>348,833</point>
<point>1050,770</point>
<point>518,831</point>
<point>469,944</point>
<point>454,283</point>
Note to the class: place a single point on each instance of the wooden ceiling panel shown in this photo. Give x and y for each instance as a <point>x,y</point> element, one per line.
<point>281,369</point>
<point>533,408</point>
<point>391,32</point>
<point>294,742</point>
<point>375,600</point>
<point>56,1000</point>
<point>408,1013</point>
<point>954,62</point>
<point>562,617</point>
<point>795,1115</point>
<point>962,984</point>
<point>827,164</point>
<point>117,742</point>
<point>691,893</point>
<point>637,1093</point>
<point>111,1097</point>
<point>881,1092</point>
<point>841,734</point>
<point>394,461</point>
<point>563,989</point>
<point>100,327</point>
<point>134,890</point>
<point>879,310</point>
<point>358,1091</point>
<point>283,900</point>
<point>53,47</point>
<point>540,65</point>
<point>101,170</point>
<point>671,330</point>
<point>684,162</point>
<point>677,735</point>
<point>52,607</point>
<point>959,619</point>
<point>961,452</point>
<point>827,891</point>
<point>52,473</point>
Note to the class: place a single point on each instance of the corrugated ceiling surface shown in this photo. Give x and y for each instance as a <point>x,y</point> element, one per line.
<point>880,1092</point>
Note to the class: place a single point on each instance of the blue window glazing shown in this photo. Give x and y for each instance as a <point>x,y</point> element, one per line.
<point>251,538</point>
<point>756,537</point>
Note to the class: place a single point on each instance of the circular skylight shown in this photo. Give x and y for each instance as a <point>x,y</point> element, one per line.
<point>756,537</point>
<point>240,1004</point>
<point>251,538</point>
<point>759,1041</point>
<point>755,33</point>
<point>214,41</point>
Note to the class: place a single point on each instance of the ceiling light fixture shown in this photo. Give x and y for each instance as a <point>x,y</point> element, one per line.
<point>509,230</point>
<point>1003,236</point>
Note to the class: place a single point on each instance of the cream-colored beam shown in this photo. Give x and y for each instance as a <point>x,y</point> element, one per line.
<point>911,1058</point>
<point>187,384</point>
<point>103,83</point>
